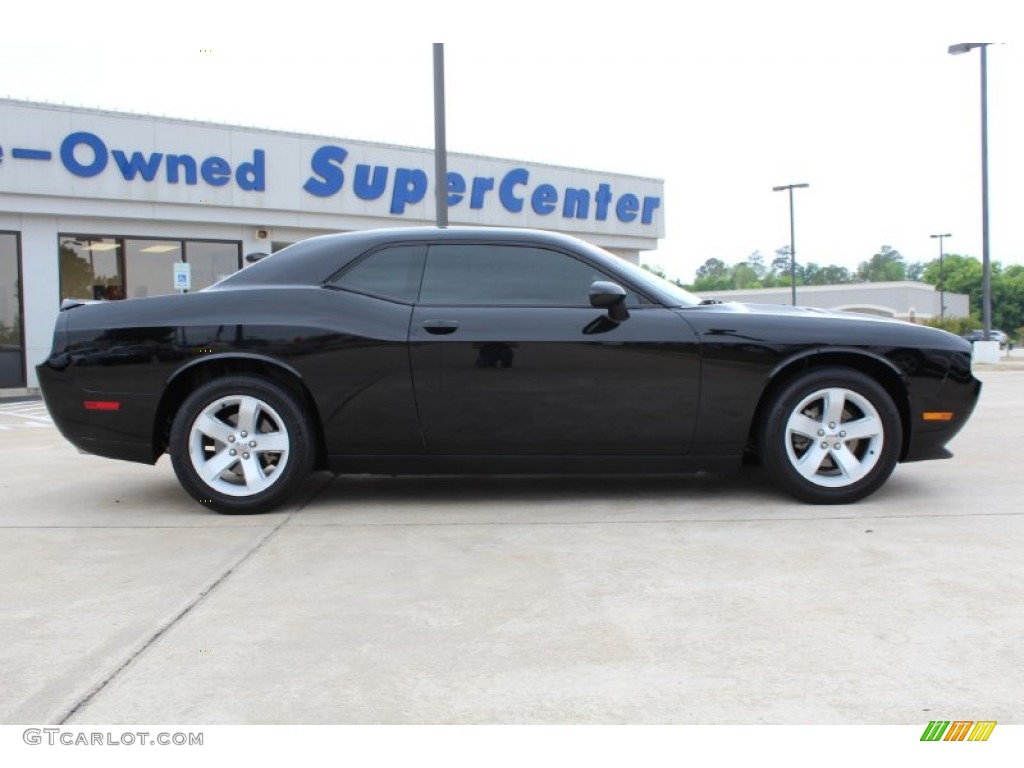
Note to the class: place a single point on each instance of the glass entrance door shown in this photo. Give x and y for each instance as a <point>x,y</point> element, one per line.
<point>12,346</point>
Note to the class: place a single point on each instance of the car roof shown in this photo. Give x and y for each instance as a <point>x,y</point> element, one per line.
<point>311,261</point>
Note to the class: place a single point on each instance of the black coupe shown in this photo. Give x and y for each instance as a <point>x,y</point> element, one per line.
<point>424,350</point>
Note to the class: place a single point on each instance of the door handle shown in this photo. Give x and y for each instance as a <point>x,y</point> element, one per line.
<point>440,327</point>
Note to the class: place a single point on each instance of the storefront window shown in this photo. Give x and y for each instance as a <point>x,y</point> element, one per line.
<point>12,356</point>
<point>91,267</point>
<point>149,266</point>
<point>211,261</point>
<point>107,267</point>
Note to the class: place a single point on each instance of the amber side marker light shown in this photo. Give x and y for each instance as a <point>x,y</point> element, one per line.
<point>937,416</point>
<point>102,405</point>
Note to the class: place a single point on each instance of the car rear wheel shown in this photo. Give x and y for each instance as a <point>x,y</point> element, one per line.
<point>241,444</point>
<point>831,436</point>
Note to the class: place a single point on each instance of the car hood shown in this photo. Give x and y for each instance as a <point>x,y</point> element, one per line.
<point>807,324</point>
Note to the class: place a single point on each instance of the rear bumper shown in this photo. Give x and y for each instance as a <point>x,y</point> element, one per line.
<point>124,432</point>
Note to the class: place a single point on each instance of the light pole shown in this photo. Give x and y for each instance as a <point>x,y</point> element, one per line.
<point>942,277</point>
<point>986,269</point>
<point>440,139</point>
<point>792,234</point>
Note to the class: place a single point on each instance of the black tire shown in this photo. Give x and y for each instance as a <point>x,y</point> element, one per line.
<point>241,444</point>
<point>831,436</point>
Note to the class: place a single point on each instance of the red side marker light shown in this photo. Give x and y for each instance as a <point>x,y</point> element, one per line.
<point>102,405</point>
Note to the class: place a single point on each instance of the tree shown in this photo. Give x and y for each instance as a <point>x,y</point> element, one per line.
<point>885,266</point>
<point>76,275</point>
<point>959,274</point>
<point>963,274</point>
<point>833,275</point>
<point>744,276</point>
<point>916,270</point>
<point>780,264</point>
<point>713,275</point>
<point>756,262</point>
<point>1007,297</point>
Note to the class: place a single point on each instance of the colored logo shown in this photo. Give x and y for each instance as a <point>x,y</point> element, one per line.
<point>958,730</point>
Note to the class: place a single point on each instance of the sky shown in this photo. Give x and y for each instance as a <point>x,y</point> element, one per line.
<point>721,100</point>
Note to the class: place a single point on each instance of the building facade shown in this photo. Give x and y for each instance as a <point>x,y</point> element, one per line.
<point>106,205</point>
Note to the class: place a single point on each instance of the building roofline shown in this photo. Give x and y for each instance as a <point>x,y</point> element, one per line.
<point>300,135</point>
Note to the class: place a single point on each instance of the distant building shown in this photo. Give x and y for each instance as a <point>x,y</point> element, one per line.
<point>904,300</point>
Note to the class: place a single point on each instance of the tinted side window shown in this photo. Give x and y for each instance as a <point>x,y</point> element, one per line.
<point>506,275</point>
<point>392,273</point>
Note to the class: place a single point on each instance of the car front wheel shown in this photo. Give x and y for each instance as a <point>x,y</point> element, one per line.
<point>241,444</point>
<point>831,436</point>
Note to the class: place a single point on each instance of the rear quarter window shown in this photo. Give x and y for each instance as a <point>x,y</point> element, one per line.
<point>392,273</point>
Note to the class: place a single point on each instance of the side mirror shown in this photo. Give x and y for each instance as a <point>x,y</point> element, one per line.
<point>610,296</point>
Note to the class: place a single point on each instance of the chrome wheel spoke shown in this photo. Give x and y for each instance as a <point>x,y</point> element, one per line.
<point>809,464</point>
<point>869,426</point>
<point>803,425</point>
<point>835,402</point>
<point>852,468</point>
<point>271,442</point>
<point>213,428</point>
<point>256,479</point>
<point>248,414</point>
<point>214,467</point>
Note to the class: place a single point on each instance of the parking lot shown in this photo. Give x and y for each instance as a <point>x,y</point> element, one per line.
<point>695,599</point>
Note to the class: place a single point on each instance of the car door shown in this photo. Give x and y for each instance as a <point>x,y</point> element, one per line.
<point>509,358</point>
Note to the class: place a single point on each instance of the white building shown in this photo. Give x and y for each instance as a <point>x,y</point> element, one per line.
<point>104,205</point>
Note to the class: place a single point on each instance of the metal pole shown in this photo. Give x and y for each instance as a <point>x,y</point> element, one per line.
<point>942,273</point>
<point>986,269</point>
<point>942,284</point>
<point>440,149</point>
<point>792,235</point>
<point>792,249</point>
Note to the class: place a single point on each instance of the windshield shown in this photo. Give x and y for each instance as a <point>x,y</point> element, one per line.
<point>672,294</point>
<point>669,294</point>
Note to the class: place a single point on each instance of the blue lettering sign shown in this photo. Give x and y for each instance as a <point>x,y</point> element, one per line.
<point>138,165</point>
<point>367,188</point>
<point>544,199</point>
<point>456,188</point>
<point>481,186</point>
<point>514,178</point>
<point>577,204</point>
<point>176,162</point>
<point>93,142</point>
<point>326,164</point>
<point>85,155</point>
<point>215,171</point>
<point>252,177</point>
<point>602,198</point>
<point>651,204</point>
<point>410,187</point>
<point>627,207</point>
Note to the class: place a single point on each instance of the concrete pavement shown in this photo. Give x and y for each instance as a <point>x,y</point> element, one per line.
<point>700,599</point>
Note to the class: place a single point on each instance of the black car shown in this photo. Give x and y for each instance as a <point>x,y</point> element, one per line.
<point>469,350</point>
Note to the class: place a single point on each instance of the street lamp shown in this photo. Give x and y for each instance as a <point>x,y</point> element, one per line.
<point>986,269</point>
<point>792,235</point>
<point>942,277</point>
<point>440,139</point>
